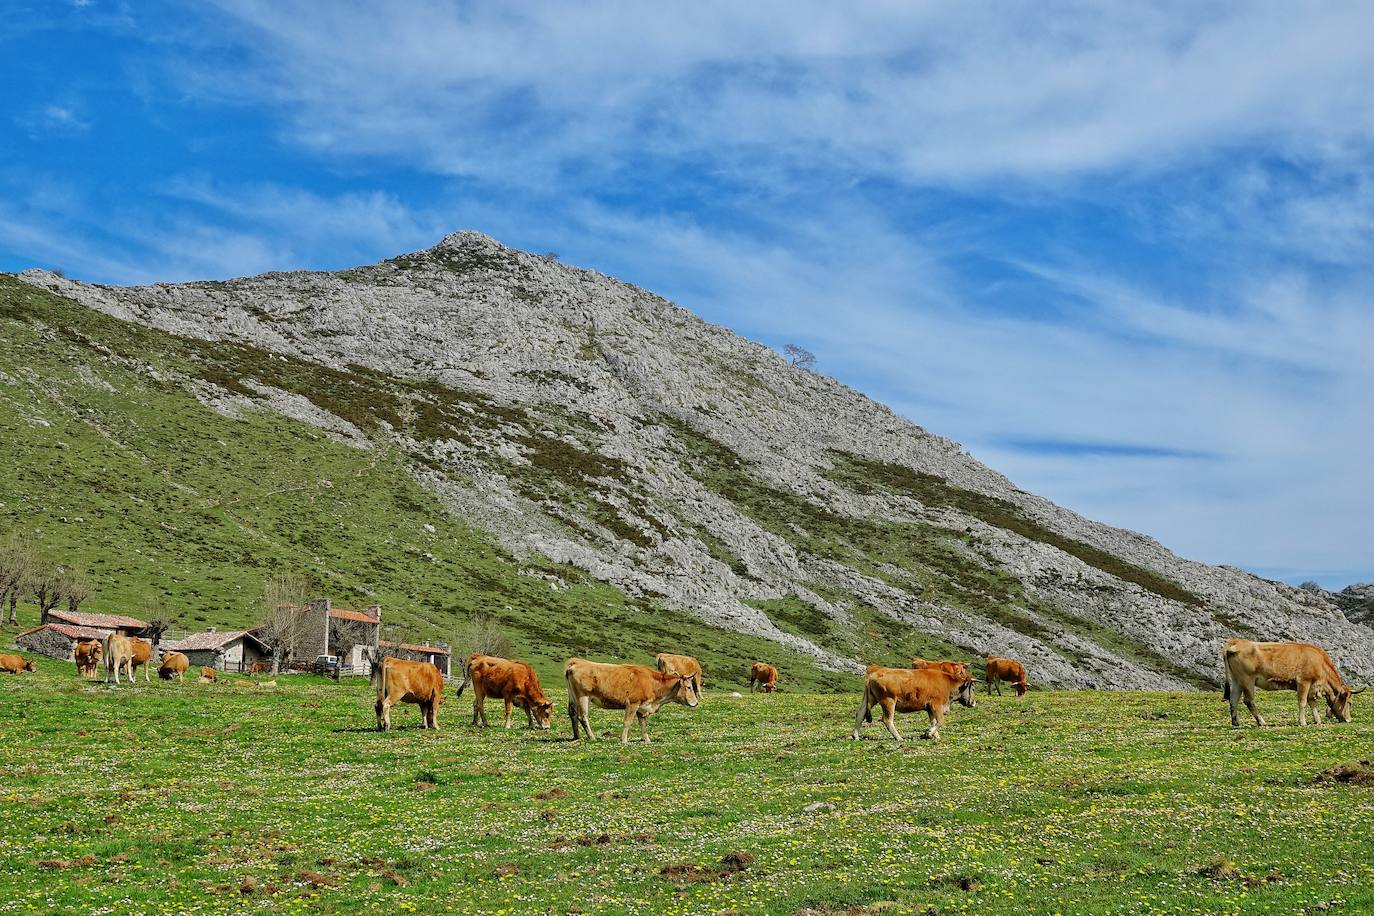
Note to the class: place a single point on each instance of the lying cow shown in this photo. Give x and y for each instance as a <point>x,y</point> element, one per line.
<point>766,676</point>
<point>685,665</point>
<point>174,665</point>
<point>958,669</point>
<point>1006,669</point>
<point>208,675</point>
<point>637,689</point>
<point>15,664</point>
<point>929,690</point>
<point>88,654</point>
<point>1296,666</point>
<point>512,681</point>
<point>127,652</point>
<point>399,680</point>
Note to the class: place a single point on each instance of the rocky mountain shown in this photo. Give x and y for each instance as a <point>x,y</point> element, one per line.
<point>589,423</point>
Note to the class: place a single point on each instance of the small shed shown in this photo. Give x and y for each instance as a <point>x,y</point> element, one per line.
<point>419,652</point>
<point>57,640</point>
<point>227,650</point>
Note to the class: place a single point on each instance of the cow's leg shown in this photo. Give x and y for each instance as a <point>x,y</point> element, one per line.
<point>1249,698</point>
<point>572,716</point>
<point>1304,693</point>
<point>584,705</point>
<point>529,715</point>
<point>507,713</point>
<point>380,709</point>
<point>889,707</point>
<point>1233,697</point>
<point>937,718</point>
<point>862,716</point>
<point>630,710</point>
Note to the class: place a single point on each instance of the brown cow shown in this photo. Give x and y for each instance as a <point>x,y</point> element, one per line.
<point>15,664</point>
<point>1006,669</point>
<point>1296,666</point>
<point>930,690</point>
<point>88,654</point>
<point>208,675</point>
<point>174,665</point>
<point>506,679</point>
<point>637,689</point>
<point>399,680</point>
<point>765,675</point>
<point>257,668</point>
<point>958,669</point>
<point>685,665</point>
<point>127,652</point>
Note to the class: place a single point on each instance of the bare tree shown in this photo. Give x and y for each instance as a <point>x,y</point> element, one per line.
<point>284,623</point>
<point>76,586</point>
<point>17,560</point>
<point>45,583</point>
<point>800,357</point>
<point>480,635</point>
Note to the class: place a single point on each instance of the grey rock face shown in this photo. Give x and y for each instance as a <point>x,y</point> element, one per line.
<point>596,424</point>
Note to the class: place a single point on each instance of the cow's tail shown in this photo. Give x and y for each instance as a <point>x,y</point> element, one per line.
<point>1226,685</point>
<point>868,709</point>
<point>467,677</point>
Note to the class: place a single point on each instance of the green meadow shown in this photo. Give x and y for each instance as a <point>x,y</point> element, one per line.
<point>228,798</point>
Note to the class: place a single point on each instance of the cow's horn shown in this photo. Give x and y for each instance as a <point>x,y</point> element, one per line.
<point>1359,690</point>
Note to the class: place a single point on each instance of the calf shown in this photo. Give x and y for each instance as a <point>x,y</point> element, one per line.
<point>506,679</point>
<point>88,654</point>
<point>15,664</point>
<point>208,675</point>
<point>1296,666</point>
<point>637,689</point>
<point>766,676</point>
<point>958,669</point>
<point>1006,669</point>
<point>174,665</point>
<point>685,665</point>
<point>398,680</point>
<point>127,652</point>
<point>930,690</point>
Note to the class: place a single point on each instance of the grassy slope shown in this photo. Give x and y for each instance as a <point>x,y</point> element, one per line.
<point>167,798</point>
<point>155,494</point>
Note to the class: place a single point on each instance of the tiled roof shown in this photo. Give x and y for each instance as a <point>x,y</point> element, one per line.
<point>69,631</point>
<point>210,640</point>
<point>106,621</point>
<point>415,647</point>
<point>340,614</point>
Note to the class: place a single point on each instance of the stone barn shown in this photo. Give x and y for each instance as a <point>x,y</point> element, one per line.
<point>110,623</point>
<point>356,662</point>
<point>57,640</point>
<point>228,650</point>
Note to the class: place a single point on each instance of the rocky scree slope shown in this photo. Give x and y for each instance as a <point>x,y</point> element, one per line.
<point>592,423</point>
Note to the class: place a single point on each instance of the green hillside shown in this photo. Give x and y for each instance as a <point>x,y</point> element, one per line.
<point>113,465</point>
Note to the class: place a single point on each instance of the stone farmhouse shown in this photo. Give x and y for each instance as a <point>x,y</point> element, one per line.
<point>60,631</point>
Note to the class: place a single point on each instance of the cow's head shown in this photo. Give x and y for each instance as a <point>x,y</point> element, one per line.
<point>28,665</point>
<point>1339,702</point>
<point>688,691</point>
<point>543,714</point>
<point>968,693</point>
<point>1021,689</point>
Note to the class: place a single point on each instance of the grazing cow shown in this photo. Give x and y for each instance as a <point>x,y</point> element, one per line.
<point>505,679</point>
<point>399,680</point>
<point>958,669</point>
<point>685,665</point>
<point>88,654</point>
<point>208,675</point>
<point>15,664</point>
<point>1296,666</point>
<point>1006,669</point>
<point>637,689</point>
<point>174,665</point>
<point>766,676</point>
<point>928,690</point>
<point>127,652</point>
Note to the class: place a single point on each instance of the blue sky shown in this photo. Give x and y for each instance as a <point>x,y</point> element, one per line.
<point>1122,252</point>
